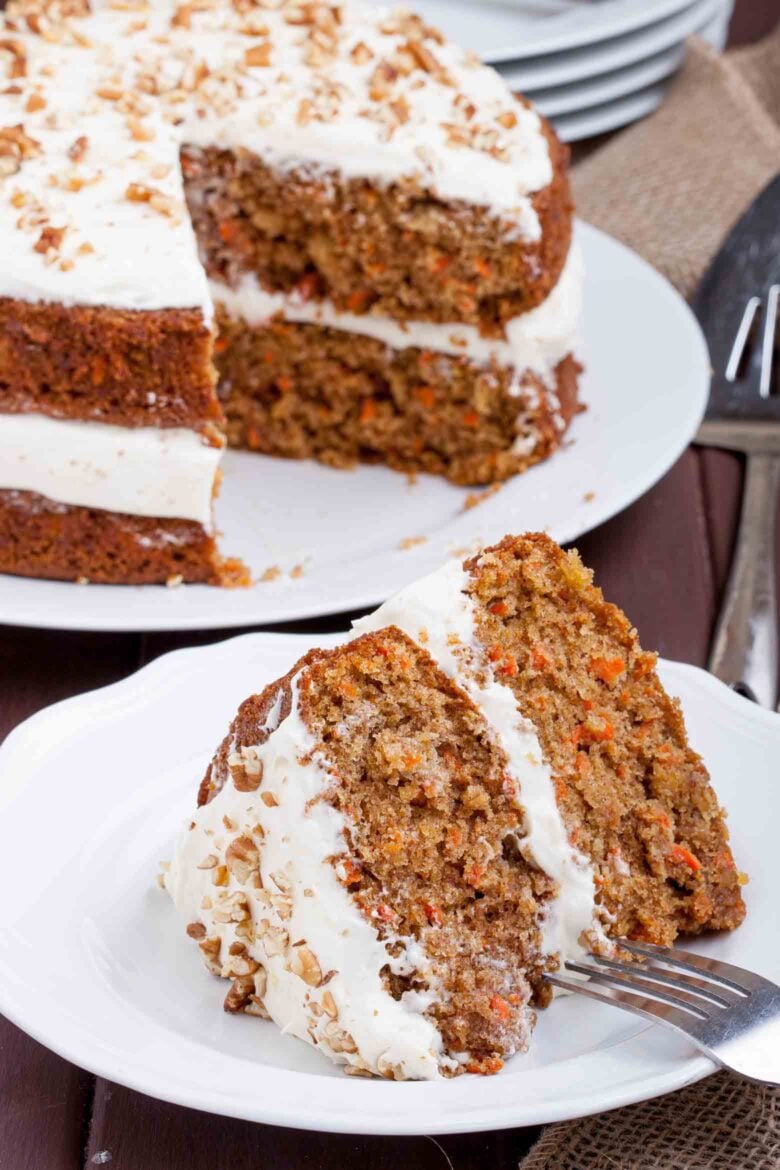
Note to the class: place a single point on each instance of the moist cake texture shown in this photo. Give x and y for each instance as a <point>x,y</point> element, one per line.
<point>347,220</point>
<point>397,840</point>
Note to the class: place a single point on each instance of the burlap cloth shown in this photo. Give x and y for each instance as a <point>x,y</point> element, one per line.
<point>671,187</point>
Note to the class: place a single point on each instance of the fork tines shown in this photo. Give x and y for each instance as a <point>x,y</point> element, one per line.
<point>744,333</point>
<point>671,985</point>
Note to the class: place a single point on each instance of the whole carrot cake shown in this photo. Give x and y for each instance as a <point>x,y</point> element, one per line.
<point>396,841</point>
<point>310,229</point>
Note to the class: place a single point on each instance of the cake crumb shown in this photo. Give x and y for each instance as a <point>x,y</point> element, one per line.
<point>82,580</point>
<point>297,571</point>
<point>586,499</point>
<point>473,499</point>
<point>411,542</point>
<point>174,581</point>
<point>270,574</point>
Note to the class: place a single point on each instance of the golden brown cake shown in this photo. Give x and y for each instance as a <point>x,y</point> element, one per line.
<point>309,229</point>
<point>397,840</point>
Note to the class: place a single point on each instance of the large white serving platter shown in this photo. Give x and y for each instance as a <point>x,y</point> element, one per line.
<point>645,385</point>
<point>95,964</point>
<point>504,30</point>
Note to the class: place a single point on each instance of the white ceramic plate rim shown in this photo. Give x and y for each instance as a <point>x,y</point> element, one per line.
<point>565,68</point>
<point>582,95</point>
<point>611,115</point>
<point>593,24</point>
<point>301,1099</point>
<point>683,368</point>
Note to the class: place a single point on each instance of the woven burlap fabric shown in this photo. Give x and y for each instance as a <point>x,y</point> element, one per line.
<point>721,1123</point>
<point>672,185</point>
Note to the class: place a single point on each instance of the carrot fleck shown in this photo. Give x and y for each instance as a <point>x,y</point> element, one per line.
<point>433,914</point>
<point>500,1007</point>
<point>426,395</point>
<point>482,267</point>
<point>268,357</point>
<point>228,230</point>
<point>384,912</point>
<point>608,670</point>
<point>474,874</point>
<point>498,608</point>
<point>539,659</point>
<point>352,873</point>
<point>470,419</point>
<point>509,666</point>
<point>495,653</point>
<point>358,300</point>
<point>486,1067</point>
<point>367,410</point>
<point>284,384</point>
<point>682,856</point>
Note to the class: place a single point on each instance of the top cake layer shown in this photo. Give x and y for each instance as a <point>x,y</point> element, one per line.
<point>95,104</point>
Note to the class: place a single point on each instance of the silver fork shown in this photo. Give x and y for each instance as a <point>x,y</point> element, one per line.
<point>744,648</point>
<point>731,1014</point>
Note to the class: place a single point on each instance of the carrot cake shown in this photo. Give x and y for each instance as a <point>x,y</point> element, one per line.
<point>396,841</point>
<point>309,229</point>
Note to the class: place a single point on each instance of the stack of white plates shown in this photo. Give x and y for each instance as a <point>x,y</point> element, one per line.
<point>589,67</point>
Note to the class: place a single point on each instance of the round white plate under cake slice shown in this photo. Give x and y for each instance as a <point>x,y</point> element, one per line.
<point>94,962</point>
<point>325,541</point>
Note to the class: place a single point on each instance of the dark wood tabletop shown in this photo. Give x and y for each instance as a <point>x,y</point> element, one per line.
<point>664,560</point>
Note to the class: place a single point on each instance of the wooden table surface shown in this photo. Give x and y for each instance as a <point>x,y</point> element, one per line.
<point>664,560</point>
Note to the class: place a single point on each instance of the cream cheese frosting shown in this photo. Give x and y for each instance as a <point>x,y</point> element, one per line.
<point>535,341</point>
<point>438,614</point>
<point>141,471</point>
<point>320,959</point>
<point>95,109</point>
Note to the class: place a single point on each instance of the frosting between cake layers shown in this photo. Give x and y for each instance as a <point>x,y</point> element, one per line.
<point>535,341</point>
<point>105,101</point>
<point>341,1004</point>
<point>439,608</point>
<point>141,471</point>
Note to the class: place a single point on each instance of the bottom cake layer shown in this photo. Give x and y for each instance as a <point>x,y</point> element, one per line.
<point>307,391</point>
<point>42,538</point>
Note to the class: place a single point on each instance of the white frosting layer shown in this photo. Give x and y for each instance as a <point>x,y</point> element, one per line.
<point>439,615</point>
<point>144,471</point>
<point>535,341</point>
<point>134,87</point>
<point>300,900</point>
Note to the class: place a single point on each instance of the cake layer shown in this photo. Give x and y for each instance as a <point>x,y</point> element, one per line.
<point>535,341</point>
<point>143,471</point>
<point>44,538</point>
<point>96,214</point>
<point>395,250</point>
<point>439,614</point>
<point>371,797</point>
<point>308,391</point>
<point>150,368</point>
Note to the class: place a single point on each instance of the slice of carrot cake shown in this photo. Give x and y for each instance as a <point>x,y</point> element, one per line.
<point>397,840</point>
<point>309,229</point>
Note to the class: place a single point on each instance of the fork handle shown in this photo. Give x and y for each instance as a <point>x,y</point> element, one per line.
<point>744,649</point>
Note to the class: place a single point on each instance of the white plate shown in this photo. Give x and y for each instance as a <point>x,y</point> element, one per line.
<point>610,115</point>
<point>607,87</point>
<point>502,30</point>
<point>94,962</point>
<point>645,400</point>
<point>564,68</point>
